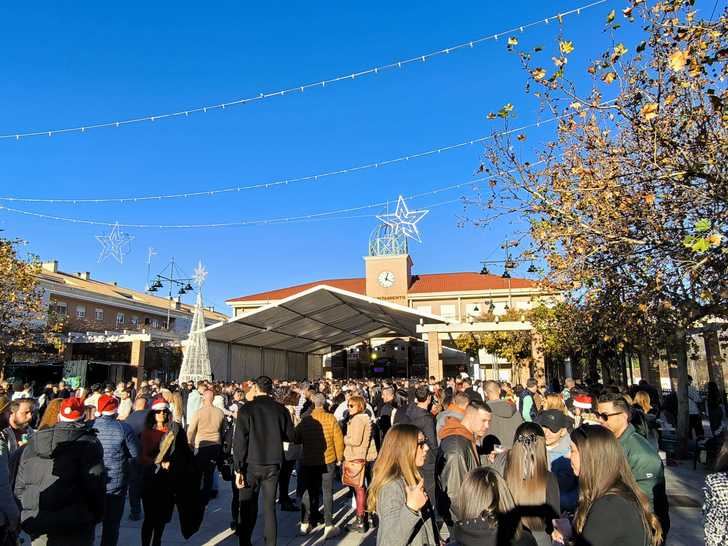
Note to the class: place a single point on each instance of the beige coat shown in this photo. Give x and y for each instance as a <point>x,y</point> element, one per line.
<point>358,442</point>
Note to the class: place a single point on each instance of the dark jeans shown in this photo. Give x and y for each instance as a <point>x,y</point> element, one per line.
<point>315,482</point>
<point>695,423</point>
<point>136,475</point>
<point>235,504</point>
<point>257,478</point>
<point>113,510</point>
<point>206,458</point>
<point>284,481</point>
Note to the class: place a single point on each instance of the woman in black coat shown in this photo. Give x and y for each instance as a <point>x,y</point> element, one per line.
<point>170,476</point>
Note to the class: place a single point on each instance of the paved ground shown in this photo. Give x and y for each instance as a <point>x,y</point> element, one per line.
<point>684,487</point>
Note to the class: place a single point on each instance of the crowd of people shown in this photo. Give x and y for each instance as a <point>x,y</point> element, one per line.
<point>426,462</point>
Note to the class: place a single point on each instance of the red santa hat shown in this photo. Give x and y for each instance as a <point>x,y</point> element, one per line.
<point>583,401</point>
<point>159,403</point>
<point>108,405</point>
<point>71,410</point>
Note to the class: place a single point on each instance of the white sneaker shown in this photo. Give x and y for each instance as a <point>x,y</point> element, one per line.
<point>304,528</point>
<point>331,532</point>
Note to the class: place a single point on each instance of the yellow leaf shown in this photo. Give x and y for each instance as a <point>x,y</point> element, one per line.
<point>649,111</point>
<point>611,16</point>
<point>521,137</point>
<point>678,59</point>
<point>512,41</point>
<point>715,239</point>
<point>566,47</point>
<point>575,105</point>
<point>538,74</point>
<point>650,198</point>
<point>619,50</point>
<point>609,77</point>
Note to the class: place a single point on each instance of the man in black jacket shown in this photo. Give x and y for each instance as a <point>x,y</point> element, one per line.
<point>61,481</point>
<point>458,454</point>
<point>262,426</point>
<point>418,414</point>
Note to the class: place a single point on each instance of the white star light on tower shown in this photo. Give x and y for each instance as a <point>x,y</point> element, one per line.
<point>404,220</point>
<point>116,244</point>
<point>200,274</point>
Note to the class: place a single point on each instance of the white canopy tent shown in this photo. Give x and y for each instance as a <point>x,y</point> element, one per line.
<point>308,323</point>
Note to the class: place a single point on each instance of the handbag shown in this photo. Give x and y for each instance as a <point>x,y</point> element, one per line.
<point>353,473</point>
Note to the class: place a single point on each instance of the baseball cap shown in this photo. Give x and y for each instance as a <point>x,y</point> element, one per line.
<point>554,420</point>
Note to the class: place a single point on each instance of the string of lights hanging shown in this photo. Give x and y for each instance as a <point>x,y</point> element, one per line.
<point>285,181</point>
<point>84,128</point>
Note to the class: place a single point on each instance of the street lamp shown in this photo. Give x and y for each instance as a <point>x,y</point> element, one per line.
<point>175,278</point>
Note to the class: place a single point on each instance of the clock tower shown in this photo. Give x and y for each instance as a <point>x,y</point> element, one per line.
<point>388,266</point>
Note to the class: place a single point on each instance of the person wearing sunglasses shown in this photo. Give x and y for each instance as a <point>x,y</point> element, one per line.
<point>170,476</point>
<point>359,450</point>
<point>397,492</point>
<point>614,413</point>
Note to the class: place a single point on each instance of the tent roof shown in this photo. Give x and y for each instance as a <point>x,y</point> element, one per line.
<point>315,319</point>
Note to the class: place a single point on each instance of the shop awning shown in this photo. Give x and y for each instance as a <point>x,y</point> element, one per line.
<point>316,319</point>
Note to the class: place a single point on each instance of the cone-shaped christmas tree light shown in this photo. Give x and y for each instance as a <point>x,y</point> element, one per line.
<point>196,361</point>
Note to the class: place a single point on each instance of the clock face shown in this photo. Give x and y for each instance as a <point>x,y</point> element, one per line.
<point>386,279</point>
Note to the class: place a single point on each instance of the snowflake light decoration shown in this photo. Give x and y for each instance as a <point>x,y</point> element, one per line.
<point>200,274</point>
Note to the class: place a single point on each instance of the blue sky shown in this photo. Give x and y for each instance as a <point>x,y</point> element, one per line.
<point>71,63</point>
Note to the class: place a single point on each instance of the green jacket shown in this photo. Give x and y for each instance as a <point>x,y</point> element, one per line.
<point>645,463</point>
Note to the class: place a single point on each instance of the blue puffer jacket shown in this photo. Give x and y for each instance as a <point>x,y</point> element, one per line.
<point>120,446</point>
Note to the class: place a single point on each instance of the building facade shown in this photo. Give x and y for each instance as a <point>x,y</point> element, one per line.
<point>389,276</point>
<point>108,331</point>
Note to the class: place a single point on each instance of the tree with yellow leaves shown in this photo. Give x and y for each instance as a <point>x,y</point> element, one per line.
<point>629,202</point>
<point>22,322</point>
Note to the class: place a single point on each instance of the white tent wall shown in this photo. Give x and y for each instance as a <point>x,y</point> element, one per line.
<point>232,362</point>
<point>218,359</point>
<point>297,366</point>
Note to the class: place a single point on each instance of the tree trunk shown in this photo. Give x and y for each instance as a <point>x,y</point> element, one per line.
<point>593,363</point>
<point>715,360</point>
<point>649,370</point>
<point>679,350</point>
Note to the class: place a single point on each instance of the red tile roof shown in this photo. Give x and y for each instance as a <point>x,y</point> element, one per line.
<point>352,285</point>
<point>461,282</point>
<point>421,284</point>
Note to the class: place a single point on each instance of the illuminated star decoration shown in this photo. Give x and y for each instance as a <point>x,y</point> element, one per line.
<point>116,244</point>
<point>404,220</point>
<point>200,274</point>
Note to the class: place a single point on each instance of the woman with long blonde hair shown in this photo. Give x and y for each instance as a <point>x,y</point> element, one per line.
<point>642,399</point>
<point>534,488</point>
<point>612,509</point>
<point>397,492</point>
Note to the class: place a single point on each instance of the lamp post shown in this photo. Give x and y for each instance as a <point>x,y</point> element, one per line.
<point>173,277</point>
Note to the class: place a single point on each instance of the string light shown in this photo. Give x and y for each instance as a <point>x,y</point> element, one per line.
<point>329,215</point>
<point>311,216</point>
<point>281,182</point>
<point>298,88</point>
